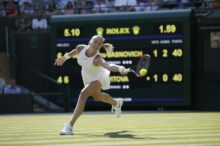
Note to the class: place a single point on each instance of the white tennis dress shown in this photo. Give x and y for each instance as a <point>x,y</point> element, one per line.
<point>90,72</point>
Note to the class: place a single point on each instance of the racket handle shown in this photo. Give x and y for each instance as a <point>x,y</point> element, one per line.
<point>132,71</point>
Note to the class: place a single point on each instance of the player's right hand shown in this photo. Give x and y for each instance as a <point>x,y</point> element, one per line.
<point>59,62</point>
<point>125,71</point>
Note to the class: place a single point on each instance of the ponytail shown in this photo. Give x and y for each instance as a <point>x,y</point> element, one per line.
<point>108,47</point>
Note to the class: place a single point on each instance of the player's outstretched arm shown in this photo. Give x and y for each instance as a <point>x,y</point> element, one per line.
<point>111,67</point>
<point>62,60</point>
<point>68,55</point>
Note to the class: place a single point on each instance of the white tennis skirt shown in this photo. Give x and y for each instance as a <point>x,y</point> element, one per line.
<point>103,77</point>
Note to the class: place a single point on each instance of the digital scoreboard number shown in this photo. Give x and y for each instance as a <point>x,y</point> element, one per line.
<point>165,35</point>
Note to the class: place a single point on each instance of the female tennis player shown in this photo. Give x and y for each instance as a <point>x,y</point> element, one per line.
<point>95,74</point>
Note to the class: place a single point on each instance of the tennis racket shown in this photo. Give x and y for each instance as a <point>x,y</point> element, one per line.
<point>143,63</point>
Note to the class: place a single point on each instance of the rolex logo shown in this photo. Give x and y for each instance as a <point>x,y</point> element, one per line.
<point>136,30</point>
<point>99,31</point>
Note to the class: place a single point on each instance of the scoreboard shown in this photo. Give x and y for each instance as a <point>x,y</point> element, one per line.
<point>165,35</point>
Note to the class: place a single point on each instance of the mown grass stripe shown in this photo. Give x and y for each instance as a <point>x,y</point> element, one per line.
<point>154,128</point>
<point>161,130</point>
<point>127,137</point>
<point>102,134</point>
<point>118,143</point>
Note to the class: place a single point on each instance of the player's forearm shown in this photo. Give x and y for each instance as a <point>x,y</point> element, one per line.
<point>111,67</point>
<point>115,68</point>
<point>73,53</point>
<point>66,56</point>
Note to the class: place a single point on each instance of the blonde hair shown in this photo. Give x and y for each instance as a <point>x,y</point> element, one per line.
<point>99,36</point>
<point>108,47</point>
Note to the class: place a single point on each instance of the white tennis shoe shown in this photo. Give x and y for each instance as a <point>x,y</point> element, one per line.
<point>67,130</point>
<point>117,108</point>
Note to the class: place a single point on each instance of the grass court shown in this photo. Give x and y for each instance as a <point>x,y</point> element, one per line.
<point>103,129</point>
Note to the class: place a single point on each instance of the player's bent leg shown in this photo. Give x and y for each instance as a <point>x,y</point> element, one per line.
<point>103,97</point>
<point>116,103</point>
<point>84,94</point>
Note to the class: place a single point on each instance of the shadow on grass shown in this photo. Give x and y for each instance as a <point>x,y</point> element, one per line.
<point>122,134</point>
<point>119,134</point>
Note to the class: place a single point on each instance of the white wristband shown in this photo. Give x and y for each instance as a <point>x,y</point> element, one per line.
<point>66,56</point>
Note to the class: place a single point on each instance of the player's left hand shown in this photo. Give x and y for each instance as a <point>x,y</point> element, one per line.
<point>59,62</point>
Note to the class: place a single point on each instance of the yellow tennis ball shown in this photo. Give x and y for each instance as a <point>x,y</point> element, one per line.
<point>143,72</point>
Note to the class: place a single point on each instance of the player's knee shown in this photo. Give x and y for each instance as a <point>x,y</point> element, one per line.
<point>90,90</point>
<point>97,97</point>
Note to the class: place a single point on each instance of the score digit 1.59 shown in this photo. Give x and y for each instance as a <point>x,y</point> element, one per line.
<point>168,28</point>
